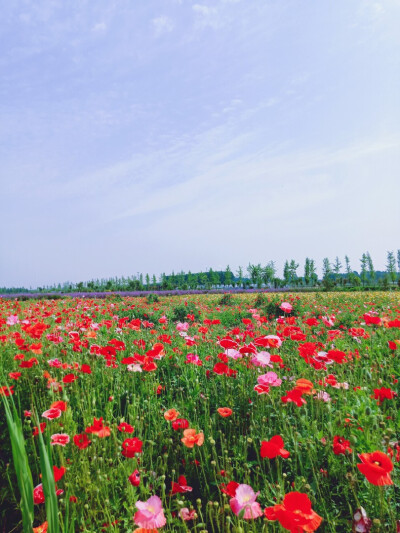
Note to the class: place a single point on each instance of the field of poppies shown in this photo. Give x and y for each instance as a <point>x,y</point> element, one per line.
<point>244,413</point>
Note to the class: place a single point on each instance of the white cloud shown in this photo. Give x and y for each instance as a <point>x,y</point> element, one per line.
<point>99,27</point>
<point>162,25</point>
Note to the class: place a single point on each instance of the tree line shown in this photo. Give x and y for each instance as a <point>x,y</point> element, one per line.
<point>334,274</point>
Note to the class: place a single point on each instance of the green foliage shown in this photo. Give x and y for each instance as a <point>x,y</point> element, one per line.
<point>152,298</point>
<point>21,464</point>
<point>180,312</point>
<point>226,299</point>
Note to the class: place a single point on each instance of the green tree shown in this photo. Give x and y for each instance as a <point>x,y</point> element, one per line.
<point>228,277</point>
<point>364,265</point>
<point>371,270</point>
<point>240,276</point>
<point>337,266</point>
<point>391,267</point>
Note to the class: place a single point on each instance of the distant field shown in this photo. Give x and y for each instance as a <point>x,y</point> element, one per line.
<point>220,413</point>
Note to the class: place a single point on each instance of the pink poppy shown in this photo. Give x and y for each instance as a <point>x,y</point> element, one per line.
<point>286,307</point>
<point>186,515</point>
<point>262,359</point>
<point>150,514</point>
<point>59,438</point>
<point>245,499</point>
<point>270,379</point>
<point>52,413</point>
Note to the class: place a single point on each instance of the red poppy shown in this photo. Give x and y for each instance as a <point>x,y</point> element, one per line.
<point>98,428</point>
<point>340,445</point>
<point>230,488</point>
<point>131,446</point>
<point>134,478</point>
<point>273,447</point>
<point>82,441</point>
<point>295,513</point>
<point>180,423</point>
<point>376,467</point>
<point>180,486</point>
<point>126,428</point>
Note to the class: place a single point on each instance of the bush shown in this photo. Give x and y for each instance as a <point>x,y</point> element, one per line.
<point>180,312</point>
<point>152,298</point>
<point>226,300</point>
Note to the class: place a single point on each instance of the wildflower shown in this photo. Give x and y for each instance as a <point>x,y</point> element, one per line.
<point>376,467</point>
<point>98,428</point>
<point>224,411</point>
<point>190,438</point>
<point>82,441</point>
<point>180,423</point>
<point>270,379</point>
<point>134,478</point>
<point>61,439</point>
<point>131,446</point>
<point>273,447</point>
<point>186,515</point>
<point>52,413</point>
<point>286,307</point>
<point>340,445</point>
<point>171,415</point>
<point>126,428</point>
<point>245,499</point>
<point>42,528</point>
<point>295,513</point>
<point>150,514</point>
<point>181,486</point>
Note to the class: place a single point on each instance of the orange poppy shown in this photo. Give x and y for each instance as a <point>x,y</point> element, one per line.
<point>190,438</point>
<point>41,529</point>
<point>171,415</point>
<point>305,386</point>
<point>224,411</point>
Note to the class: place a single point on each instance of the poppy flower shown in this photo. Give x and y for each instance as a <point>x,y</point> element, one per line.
<point>180,423</point>
<point>126,428</point>
<point>376,467</point>
<point>82,441</point>
<point>181,486</point>
<point>61,439</point>
<point>131,446</point>
<point>295,513</point>
<point>171,415</point>
<point>273,447</point>
<point>134,478</point>
<point>230,488</point>
<point>52,413</point>
<point>340,445</point>
<point>59,405</point>
<point>98,428</point>
<point>190,438</point>
<point>245,499</point>
<point>186,515</point>
<point>224,411</point>
<point>150,514</point>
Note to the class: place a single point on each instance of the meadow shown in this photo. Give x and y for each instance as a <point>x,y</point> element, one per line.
<point>202,413</point>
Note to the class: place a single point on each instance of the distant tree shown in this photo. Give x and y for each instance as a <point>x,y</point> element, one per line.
<point>268,272</point>
<point>313,273</point>
<point>307,277</point>
<point>228,277</point>
<point>364,265</point>
<point>398,261</point>
<point>286,272</point>
<point>348,267</point>
<point>154,281</point>
<point>147,280</point>
<point>203,279</point>
<point>371,270</point>
<point>391,267</point>
<point>255,273</point>
<point>337,266</point>
<point>240,276</point>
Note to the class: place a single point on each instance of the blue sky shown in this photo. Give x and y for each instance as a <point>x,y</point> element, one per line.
<point>159,135</point>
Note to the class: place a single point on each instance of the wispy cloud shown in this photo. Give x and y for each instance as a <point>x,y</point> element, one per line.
<point>162,24</point>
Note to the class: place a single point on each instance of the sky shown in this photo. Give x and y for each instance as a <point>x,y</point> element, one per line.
<point>166,135</point>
